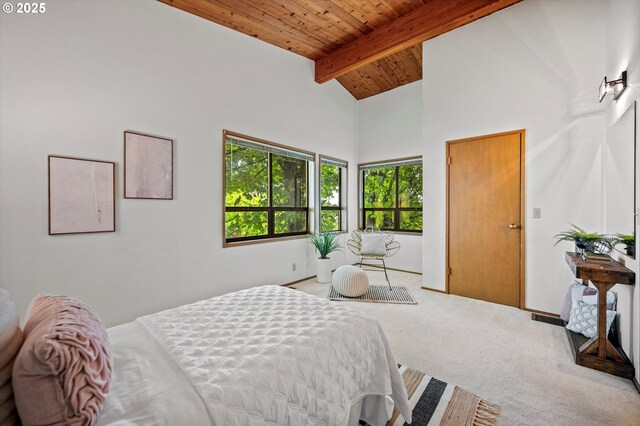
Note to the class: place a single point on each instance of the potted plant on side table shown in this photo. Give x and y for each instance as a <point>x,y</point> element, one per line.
<point>591,242</point>
<point>628,240</point>
<point>325,243</point>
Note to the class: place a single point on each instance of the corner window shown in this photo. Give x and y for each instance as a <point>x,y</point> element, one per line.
<point>333,203</point>
<point>266,189</point>
<point>391,197</point>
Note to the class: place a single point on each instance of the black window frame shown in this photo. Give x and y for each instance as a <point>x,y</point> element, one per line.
<point>396,164</point>
<point>341,208</point>
<point>270,209</point>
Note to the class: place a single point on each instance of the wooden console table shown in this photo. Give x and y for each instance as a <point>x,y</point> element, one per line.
<point>599,353</point>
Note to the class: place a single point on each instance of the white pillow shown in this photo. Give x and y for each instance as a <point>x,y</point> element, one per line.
<point>590,295</point>
<point>584,319</point>
<point>373,245</point>
<point>592,299</point>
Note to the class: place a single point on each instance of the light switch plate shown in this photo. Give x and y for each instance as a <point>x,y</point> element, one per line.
<point>537,212</point>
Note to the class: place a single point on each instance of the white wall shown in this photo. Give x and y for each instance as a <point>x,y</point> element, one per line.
<point>533,66</point>
<point>390,126</point>
<point>623,53</point>
<point>73,79</point>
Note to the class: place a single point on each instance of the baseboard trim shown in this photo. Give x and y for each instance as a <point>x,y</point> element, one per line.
<point>535,311</point>
<point>297,281</point>
<point>333,270</point>
<point>636,384</point>
<point>391,269</point>
<point>434,290</point>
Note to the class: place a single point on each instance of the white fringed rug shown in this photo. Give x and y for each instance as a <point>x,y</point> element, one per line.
<point>378,294</point>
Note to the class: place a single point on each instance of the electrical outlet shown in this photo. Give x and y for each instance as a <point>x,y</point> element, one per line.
<point>293,267</point>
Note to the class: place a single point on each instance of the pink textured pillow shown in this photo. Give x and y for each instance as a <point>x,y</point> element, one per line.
<point>10,342</point>
<point>63,371</point>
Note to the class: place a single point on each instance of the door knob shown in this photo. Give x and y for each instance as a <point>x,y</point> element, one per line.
<point>514,226</point>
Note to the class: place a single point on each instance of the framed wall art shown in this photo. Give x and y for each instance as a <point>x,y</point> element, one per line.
<point>82,195</point>
<point>148,166</point>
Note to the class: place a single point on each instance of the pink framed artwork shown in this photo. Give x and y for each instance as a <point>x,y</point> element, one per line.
<point>148,166</point>
<point>81,195</point>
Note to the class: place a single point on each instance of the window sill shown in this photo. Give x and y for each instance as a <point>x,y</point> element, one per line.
<point>226,244</point>
<point>415,234</point>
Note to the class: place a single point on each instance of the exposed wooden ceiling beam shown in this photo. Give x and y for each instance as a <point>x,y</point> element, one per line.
<point>429,21</point>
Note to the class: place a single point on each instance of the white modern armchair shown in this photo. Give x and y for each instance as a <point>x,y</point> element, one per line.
<point>373,244</point>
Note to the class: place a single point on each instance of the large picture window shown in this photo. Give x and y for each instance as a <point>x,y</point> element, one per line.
<point>266,189</point>
<point>391,197</point>
<point>333,202</point>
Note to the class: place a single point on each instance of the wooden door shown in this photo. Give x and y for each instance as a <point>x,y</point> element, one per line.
<point>485,198</point>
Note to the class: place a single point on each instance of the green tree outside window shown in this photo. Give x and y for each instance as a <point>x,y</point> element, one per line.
<point>330,198</point>
<point>392,197</point>
<point>265,194</point>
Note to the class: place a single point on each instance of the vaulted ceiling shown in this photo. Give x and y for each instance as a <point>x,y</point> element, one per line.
<point>369,46</point>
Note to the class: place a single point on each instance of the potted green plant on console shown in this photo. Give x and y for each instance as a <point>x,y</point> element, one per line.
<point>628,240</point>
<point>325,243</point>
<point>593,242</point>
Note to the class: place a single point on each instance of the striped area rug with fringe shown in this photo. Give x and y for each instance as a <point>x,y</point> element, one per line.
<point>378,294</point>
<point>435,402</point>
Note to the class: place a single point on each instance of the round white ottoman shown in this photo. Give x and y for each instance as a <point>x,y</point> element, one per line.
<point>350,281</point>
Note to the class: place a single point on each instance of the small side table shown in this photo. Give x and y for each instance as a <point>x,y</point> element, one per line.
<point>599,353</point>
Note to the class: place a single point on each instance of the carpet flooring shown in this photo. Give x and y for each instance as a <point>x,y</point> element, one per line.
<point>500,354</point>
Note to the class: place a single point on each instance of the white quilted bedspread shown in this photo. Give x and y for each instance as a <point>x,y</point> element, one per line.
<point>276,356</point>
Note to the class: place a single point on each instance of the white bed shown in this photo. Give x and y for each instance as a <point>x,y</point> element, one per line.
<point>263,356</point>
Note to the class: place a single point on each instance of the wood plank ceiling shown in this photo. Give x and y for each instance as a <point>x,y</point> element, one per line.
<point>317,28</point>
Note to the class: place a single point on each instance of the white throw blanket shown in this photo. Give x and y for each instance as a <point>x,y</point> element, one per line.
<point>276,356</point>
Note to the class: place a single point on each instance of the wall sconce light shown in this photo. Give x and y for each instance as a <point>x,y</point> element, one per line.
<point>616,87</point>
